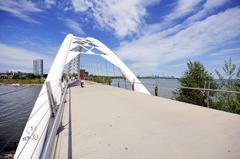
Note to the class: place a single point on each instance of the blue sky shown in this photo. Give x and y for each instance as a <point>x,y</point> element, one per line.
<point>152,37</point>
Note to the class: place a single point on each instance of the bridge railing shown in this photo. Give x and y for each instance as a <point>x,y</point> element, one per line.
<point>53,128</point>
<point>209,95</point>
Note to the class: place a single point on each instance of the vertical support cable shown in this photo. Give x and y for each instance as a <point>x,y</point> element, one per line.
<point>101,69</point>
<point>113,73</point>
<point>107,75</point>
<point>98,74</point>
<point>78,66</point>
<point>106,68</point>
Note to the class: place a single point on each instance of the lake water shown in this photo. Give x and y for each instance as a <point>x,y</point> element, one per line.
<point>16,107</point>
<point>165,89</point>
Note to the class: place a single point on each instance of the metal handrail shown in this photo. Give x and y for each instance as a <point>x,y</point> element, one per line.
<point>49,142</point>
<point>191,88</point>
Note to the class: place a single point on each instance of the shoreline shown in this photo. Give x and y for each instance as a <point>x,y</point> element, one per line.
<point>20,84</point>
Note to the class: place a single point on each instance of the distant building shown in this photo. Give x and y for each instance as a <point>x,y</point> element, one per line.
<point>83,72</point>
<point>38,67</point>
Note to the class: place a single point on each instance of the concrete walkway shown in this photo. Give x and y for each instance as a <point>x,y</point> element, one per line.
<point>112,123</point>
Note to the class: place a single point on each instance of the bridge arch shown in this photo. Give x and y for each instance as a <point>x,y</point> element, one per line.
<point>33,139</point>
<point>88,46</point>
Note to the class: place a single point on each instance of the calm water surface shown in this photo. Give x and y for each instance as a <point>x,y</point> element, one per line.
<point>166,86</point>
<point>15,109</point>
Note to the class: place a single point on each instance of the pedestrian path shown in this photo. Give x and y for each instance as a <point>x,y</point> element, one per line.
<point>105,122</point>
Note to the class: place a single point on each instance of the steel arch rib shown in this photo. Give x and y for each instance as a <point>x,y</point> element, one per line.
<point>108,55</point>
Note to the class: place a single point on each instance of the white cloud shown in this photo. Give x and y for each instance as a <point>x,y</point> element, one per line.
<point>49,3</point>
<point>20,9</point>
<point>81,5</point>
<point>123,17</point>
<point>208,7</point>
<point>152,50</point>
<point>19,59</point>
<point>211,4</point>
<point>224,52</point>
<point>73,25</point>
<point>182,8</point>
<point>196,11</point>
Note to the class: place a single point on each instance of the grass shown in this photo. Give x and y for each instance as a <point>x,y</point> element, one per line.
<point>100,79</point>
<point>21,81</point>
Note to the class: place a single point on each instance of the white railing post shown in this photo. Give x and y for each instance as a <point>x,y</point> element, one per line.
<point>52,103</point>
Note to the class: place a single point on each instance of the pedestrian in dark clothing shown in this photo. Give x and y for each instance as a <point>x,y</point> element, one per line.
<point>156,90</point>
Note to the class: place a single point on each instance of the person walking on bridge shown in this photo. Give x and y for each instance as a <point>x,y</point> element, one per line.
<point>82,80</point>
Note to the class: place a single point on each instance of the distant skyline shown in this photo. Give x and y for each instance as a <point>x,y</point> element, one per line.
<point>153,37</point>
<point>38,66</point>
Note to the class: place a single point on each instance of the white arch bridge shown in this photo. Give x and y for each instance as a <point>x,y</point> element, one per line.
<point>51,96</point>
<point>138,125</point>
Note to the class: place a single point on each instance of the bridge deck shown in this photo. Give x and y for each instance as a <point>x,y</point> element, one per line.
<point>107,122</point>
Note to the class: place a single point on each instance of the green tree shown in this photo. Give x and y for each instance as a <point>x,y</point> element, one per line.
<point>229,101</point>
<point>75,75</point>
<point>100,79</point>
<point>195,76</point>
